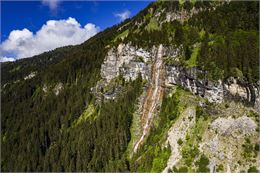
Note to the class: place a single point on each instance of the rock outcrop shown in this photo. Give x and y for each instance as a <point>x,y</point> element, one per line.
<point>130,61</point>
<point>214,91</point>
<point>229,126</point>
<point>179,131</point>
<point>57,89</point>
<point>225,140</point>
<point>30,76</point>
<point>177,75</point>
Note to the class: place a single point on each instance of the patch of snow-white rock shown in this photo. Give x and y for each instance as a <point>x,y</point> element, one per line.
<point>123,59</point>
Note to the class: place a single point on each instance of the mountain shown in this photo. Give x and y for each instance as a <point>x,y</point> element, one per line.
<point>173,89</point>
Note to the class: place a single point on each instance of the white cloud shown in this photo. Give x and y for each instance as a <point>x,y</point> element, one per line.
<point>52,4</point>
<point>5,59</point>
<point>53,34</point>
<point>123,15</point>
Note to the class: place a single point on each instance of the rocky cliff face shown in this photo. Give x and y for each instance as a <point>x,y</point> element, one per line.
<point>129,61</point>
<point>177,75</point>
<point>215,92</point>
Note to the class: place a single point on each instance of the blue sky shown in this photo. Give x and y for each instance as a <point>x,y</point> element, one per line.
<point>44,25</point>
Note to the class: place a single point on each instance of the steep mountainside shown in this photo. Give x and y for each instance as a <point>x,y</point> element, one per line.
<point>174,89</point>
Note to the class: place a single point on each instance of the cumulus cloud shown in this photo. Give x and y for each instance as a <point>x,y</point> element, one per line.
<point>53,34</point>
<point>123,15</point>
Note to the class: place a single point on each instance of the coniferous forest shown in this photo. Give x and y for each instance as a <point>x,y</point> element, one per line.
<point>70,131</point>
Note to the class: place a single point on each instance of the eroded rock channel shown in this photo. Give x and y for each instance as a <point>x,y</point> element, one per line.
<point>154,93</point>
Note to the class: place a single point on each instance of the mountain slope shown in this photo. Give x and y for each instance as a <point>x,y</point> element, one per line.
<point>175,88</point>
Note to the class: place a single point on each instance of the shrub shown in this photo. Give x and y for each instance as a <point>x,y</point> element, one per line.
<point>252,169</point>
<point>220,168</point>
<point>182,169</point>
<point>202,164</point>
<point>257,147</point>
<point>236,72</point>
<point>180,142</point>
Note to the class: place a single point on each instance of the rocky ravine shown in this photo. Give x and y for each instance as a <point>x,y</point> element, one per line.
<point>154,94</point>
<point>130,61</point>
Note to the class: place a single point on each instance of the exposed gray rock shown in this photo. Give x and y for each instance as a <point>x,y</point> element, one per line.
<point>58,87</point>
<point>113,93</point>
<point>177,75</point>
<point>130,61</point>
<point>178,15</point>
<point>45,88</point>
<point>257,97</point>
<point>229,126</point>
<point>179,130</point>
<point>132,70</point>
<point>181,15</point>
<point>212,167</point>
<point>241,90</point>
<point>214,91</point>
<point>123,59</point>
<point>31,75</point>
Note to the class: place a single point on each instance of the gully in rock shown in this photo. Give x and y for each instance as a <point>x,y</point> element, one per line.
<point>154,94</point>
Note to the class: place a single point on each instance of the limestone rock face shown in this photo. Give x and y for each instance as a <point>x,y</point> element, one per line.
<point>130,61</point>
<point>178,15</point>
<point>214,91</point>
<point>229,126</point>
<point>225,139</point>
<point>238,89</point>
<point>257,97</point>
<point>181,15</point>
<point>132,70</point>
<point>177,75</point>
<point>127,60</point>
